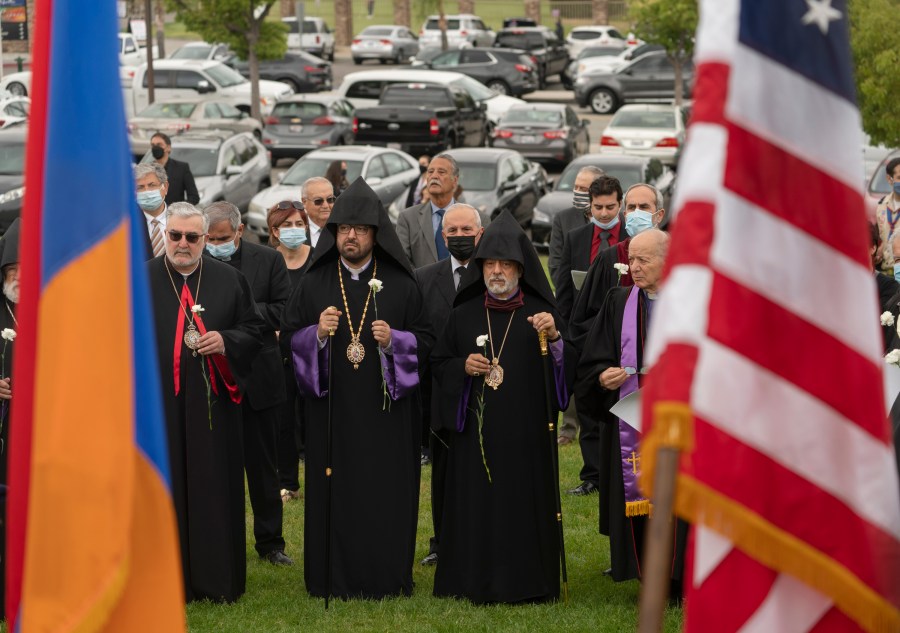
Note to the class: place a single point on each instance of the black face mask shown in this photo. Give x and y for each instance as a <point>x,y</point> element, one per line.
<point>157,151</point>
<point>343,172</point>
<point>423,169</point>
<point>461,247</point>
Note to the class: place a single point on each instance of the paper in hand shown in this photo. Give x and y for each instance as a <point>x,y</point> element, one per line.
<point>629,409</point>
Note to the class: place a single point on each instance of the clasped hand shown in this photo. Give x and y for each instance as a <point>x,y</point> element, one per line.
<point>211,343</point>
<point>612,378</point>
<point>477,365</point>
<point>543,322</point>
<point>330,317</point>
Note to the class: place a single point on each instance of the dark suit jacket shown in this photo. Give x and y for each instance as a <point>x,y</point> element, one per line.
<point>182,187</point>
<point>416,233</point>
<point>576,255</point>
<point>563,222</point>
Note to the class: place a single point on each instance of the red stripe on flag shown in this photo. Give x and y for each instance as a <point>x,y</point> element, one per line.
<point>835,621</point>
<point>677,363</point>
<point>800,509</point>
<point>796,192</point>
<point>770,336</point>
<point>710,81</point>
<point>692,235</point>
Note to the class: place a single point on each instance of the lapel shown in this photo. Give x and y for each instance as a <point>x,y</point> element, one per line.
<point>427,227</point>
<point>582,247</point>
<point>445,283</point>
<point>249,264</point>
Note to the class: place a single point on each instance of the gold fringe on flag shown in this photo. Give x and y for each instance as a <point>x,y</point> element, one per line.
<point>673,427</point>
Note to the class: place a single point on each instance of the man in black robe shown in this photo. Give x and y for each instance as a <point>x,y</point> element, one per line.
<point>499,535</point>
<point>206,309</point>
<point>266,272</point>
<point>379,341</point>
<point>602,376</point>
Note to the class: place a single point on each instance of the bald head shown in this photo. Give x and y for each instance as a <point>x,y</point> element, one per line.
<point>646,257</point>
<point>461,230</point>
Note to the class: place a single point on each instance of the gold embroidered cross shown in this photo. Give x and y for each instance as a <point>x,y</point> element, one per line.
<point>634,460</point>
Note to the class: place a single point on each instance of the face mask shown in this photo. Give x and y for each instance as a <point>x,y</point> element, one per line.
<point>149,200</point>
<point>581,200</point>
<point>605,225</point>
<point>292,238</point>
<point>221,251</point>
<point>897,188</point>
<point>461,246</point>
<point>157,152</point>
<point>897,272</point>
<point>423,169</point>
<point>638,221</point>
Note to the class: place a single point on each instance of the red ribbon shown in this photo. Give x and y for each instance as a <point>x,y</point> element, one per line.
<point>216,360</point>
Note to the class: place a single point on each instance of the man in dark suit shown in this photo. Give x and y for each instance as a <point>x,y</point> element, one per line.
<point>182,187</point>
<point>264,392</point>
<point>152,185</point>
<point>419,227</point>
<point>438,283</point>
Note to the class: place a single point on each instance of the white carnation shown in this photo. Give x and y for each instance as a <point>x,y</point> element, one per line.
<point>892,357</point>
<point>887,318</point>
<point>482,340</point>
<point>8,334</point>
<point>375,285</point>
<point>197,308</point>
<point>622,268</point>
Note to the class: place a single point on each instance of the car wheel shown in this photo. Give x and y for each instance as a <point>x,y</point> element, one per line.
<point>17,89</point>
<point>292,83</point>
<point>258,134</point>
<point>382,60</point>
<point>451,142</point>
<point>357,61</point>
<point>331,55</point>
<point>499,86</point>
<point>603,101</point>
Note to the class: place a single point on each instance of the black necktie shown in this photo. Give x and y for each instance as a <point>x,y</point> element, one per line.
<point>604,238</point>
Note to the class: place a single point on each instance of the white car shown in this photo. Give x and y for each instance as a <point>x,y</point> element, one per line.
<point>18,84</point>
<point>384,43</point>
<point>202,50</point>
<point>651,130</point>
<point>13,109</point>
<point>316,38</point>
<point>584,36</point>
<point>464,30</point>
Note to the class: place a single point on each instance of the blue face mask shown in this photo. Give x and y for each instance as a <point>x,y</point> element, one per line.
<point>638,221</point>
<point>149,200</point>
<point>221,251</point>
<point>605,225</point>
<point>292,238</point>
<point>897,272</point>
<point>897,188</point>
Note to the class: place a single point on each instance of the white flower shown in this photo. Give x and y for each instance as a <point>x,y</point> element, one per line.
<point>892,357</point>
<point>8,334</point>
<point>197,308</point>
<point>375,285</point>
<point>621,268</point>
<point>482,340</point>
<point>887,318</point>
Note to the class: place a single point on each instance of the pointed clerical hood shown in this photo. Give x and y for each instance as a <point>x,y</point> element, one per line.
<point>504,239</point>
<point>9,245</point>
<point>360,205</point>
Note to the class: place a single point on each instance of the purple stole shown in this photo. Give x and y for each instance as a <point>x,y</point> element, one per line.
<point>629,438</point>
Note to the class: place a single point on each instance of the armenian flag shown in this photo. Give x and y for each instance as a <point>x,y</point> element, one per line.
<point>92,540</point>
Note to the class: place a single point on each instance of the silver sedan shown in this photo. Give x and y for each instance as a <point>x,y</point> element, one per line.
<point>384,43</point>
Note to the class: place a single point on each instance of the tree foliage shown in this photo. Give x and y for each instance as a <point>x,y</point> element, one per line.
<point>671,24</point>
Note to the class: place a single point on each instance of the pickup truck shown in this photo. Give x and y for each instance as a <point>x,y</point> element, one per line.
<point>443,117</point>
<point>130,54</point>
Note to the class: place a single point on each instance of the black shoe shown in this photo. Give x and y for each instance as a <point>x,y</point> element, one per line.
<point>431,559</point>
<point>586,488</point>
<point>426,460</point>
<point>607,572</point>
<point>277,557</point>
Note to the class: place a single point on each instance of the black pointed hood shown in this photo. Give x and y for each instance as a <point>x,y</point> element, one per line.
<point>505,239</point>
<point>9,245</point>
<point>360,205</point>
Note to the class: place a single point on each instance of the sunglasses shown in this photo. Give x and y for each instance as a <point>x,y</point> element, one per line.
<point>284,205</point>
<point>318,201</point>
<point>360,229</point>
<point>176,236</point>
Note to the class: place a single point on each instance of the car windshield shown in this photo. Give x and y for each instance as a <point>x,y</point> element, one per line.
<point>600,51</point>
<point>520,40</point>
<point>12,159</point>
<point>422,95</point>
<point>627,175</point>
<point>532,115</point>
<point>644,119</point>
<point>308,26</point>
<point>433,25</point>
<point>478,176</point>
<point>477,90</point>
<point>301,110</point>
<point>168,110</point>
<point>202,160</point>
<point>225,76</point>
<point>307,167</point>
<point>192,52</point>
<point>377,31</point>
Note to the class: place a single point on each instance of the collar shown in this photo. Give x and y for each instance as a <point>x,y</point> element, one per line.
<point>455,263</point>
<point>161,217</point>
<point>355,272</point>
<point>434,207</point>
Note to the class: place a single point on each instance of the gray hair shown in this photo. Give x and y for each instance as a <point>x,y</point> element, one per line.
<point>223,211</point>
<point>463,205</point>
<point>593,170</point>
<point>304,188</point>
<point>454,167</point>
<point>145,169</point>
<point>659,196</point>
<point>187,210</point>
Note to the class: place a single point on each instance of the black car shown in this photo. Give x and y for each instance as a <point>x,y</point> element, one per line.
<point>302,71</point>
<point>548,51</point>
<point>12,174</point>
<point>506,71</point>
<point>649,78</point>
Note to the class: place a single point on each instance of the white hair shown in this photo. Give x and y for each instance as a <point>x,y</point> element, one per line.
<point>145,169</point>
<point>462,205</point>
<point>223,211</point>
<point>187,210</point>
<point>304,188</point>
<point>659,196</point>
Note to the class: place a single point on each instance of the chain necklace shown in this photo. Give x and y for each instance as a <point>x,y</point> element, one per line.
<point>191,335</point>
<point>8,309</point>
<point>494,376</point>
<point>355,351</point>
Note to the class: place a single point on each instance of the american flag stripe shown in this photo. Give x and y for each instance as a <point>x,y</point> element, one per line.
<point>804,606</point>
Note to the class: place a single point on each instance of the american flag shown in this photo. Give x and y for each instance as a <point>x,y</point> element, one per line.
<point>766,340</point>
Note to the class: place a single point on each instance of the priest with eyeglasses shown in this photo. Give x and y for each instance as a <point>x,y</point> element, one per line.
<point>208,332</point>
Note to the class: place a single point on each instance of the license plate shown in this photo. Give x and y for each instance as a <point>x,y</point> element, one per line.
<point>296,128</point>
<point>393,145</point>
<point>526,139</point>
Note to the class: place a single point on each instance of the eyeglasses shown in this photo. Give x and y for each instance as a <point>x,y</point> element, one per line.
<point>318,201</point>
<point>284,205</point>
<point>360,229</point>
<point>192,238</point>
<point>631,371</point>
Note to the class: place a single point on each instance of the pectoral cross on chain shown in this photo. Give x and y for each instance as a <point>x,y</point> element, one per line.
<point>634,460</point>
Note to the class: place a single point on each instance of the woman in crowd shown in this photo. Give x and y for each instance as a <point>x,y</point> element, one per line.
<point>336,174</point>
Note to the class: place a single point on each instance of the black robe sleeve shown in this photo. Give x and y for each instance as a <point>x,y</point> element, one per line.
<point>601,351</point>
<point>244,340</point>
<point>600,278</point>
<point>279,291</point>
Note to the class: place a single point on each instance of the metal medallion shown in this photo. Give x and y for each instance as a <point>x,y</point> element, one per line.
<point>494,376</point>
<point>355,352</point>
<point>192,338</point>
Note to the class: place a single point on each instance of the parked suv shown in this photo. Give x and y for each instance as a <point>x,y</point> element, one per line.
<point>316,38</point>
<point>541,43</point>
<point>583,36</point>
<point>463,30</point>
<point>506,71</point>
<point>300,70</point>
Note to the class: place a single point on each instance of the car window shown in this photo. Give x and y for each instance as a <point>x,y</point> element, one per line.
<point>506,171</point>
<point>299,110</point>
<point>652,64</point>
<point>211,111</point>
<point>427,95</point>
<point>378,31</point>
<point>446,60</point>
<point>615,33</point>
<point>520,165</point>
<point>627,175</point>
<point>653,171</point>
<point>230,156</point>
<point>584,35</point>
<point>18,108</point>
<point>478,177</point>
<point>520,39</point>
<point>552,40</point>
<point>432,25</point>
<point>365,90</point>
<point>225,76</point>
<point>161,79</point>
<point>376,168</point>
<point>532,115</point>
<point>644,119</point>
<point>475,57</point>
<point>339,107</point>
<point>201,159</point>
<point>12,159</point>
<point>247,149</point>
<point>309,26</point>
<point>188,79</point>
<point>229,111</point>
<point>571,117</point>
<point>394,164</point>
<point>478,24</point>
<point>129,46</point>
<point>168,110</point>
<point>191,52</point>
<point>462,100</point>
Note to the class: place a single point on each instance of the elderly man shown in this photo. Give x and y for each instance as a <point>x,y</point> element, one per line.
<point>369,348</point>
<point>317,196</point>
<point>610,368</point>
<point>499,539</point>
<point>438,283</point>
<point>575,216</point>
<point>266,272</point>
<point>208,332</point>
<point>182,187</point>
<point>152,185</point>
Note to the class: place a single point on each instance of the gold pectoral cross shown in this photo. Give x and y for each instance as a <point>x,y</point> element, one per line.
<point>634,460</point>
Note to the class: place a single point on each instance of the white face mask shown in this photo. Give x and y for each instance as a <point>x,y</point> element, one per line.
<point>581,200</point>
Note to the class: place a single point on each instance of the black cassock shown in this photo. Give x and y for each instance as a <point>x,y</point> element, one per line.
<point>207,464</point>
<point>499,539</point>
<point>375,449</point>
<point>602,350</point>
<point>6,321</point>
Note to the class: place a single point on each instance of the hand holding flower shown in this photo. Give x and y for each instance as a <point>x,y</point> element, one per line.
<point>381,332</point>
<point>477,365</point>
<point>211,343</point>
<point>5,390</point>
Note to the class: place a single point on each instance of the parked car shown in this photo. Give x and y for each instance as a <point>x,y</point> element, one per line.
<point>592,52</point>
<point>384,43</point>
<point>230,167</point>
<point>653,130</point>
<point>505,71</point>
<point>177,116</point>
<point>131,53</point>
<point>202,50</point>
<point>548,132</point>
<point>301,71</point>
<point>13,110</point>
<point>518,21</point>
<point>316,38</point>
<point>647,79</point>
<point>583,36</point>
<point>630,170</point>
<point>463,30</point>
<point>18,84</point>
<point>388,172</point>
<point>302,123</point>
<point>12,174</point>
<point>496,179</point>
<point>541,44</point>
<point>589,63</point>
